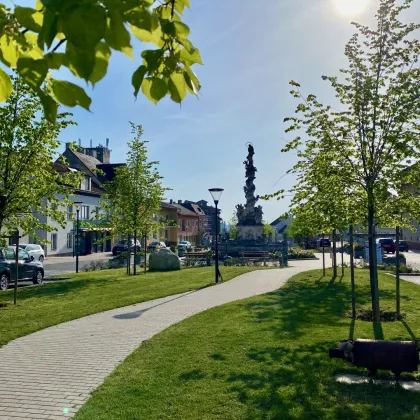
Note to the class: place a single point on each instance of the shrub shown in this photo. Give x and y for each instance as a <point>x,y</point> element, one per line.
<point>296,254</point>
<point>173,248</point>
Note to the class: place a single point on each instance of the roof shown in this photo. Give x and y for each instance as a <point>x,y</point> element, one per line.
<point>168,206</point>
<point>195,208</point>
<point>89,161</point>
<point>184,211</point>
<point>108,170</point>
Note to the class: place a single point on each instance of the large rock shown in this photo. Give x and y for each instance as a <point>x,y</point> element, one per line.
<point>164,260</point>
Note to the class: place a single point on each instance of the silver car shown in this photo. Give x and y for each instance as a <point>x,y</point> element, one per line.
<point>34,250</point>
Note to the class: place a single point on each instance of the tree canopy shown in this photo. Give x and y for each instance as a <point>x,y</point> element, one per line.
<point>134,197</point>
<point>356,158</point>
<point>81,35</point>
<point>31,185</point>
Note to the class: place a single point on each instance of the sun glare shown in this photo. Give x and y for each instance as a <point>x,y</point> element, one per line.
<point>350,7</point>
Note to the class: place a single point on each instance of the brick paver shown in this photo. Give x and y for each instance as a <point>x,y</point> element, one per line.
<point>51,373</point>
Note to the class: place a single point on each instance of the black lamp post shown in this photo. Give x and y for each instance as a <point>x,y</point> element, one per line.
<point>78,204</point>
<point>216,194</point>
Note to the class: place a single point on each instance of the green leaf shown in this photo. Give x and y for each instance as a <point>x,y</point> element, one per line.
<point>103,54</point>
<point>152,58</point>
<point>117,36</point>
<point>48,31</point>
<point>9,50</point>
<point>181,29</point>
<point>177,87</point>
<point>84,26</point>
<point>191,57</point>
<point>154,89</point>
<point>55,60</point>
<point>193,77</point>
<point>190,84</point>
<point>137,79</point>
<point>81,62</point>
<point>181,4</point>
<point>5,86</point>
<point>32,71</point>
<point>141,18</point>
<point>143,35</point>
<point>69,94</point>
<point>29,18</point>
<point>49,106</point>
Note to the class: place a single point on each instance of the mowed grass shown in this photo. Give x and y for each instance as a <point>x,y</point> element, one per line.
<point>88,293</point>
<point>263,358</point>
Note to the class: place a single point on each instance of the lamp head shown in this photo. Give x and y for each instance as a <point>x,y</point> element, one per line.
<point>216,193</point>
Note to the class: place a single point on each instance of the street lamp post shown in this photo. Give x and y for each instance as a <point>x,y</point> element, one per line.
<point>216,194</point>
<point>78,204</point>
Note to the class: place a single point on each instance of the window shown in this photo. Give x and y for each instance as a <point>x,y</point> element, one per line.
<point>167,217</point>
<point>53,241</point>
<point>166,234</point>
<point>69,212</point>
<point>10,254</point>
<point>85,185</point>
<point>70,240</point>
<point>84,213</point>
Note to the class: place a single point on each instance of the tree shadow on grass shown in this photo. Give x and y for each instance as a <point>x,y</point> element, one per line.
<point>303,304</point>
<point>299,383</point>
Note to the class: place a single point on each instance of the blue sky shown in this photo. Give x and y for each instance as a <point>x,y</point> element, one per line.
<point>251,49</point>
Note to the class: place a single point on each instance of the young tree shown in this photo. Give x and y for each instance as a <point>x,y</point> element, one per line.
<point>233,230</point>
<point>374,137</point>
<point>268,231</point>
<point>30,185</point>
<point>134,197</point>
<point>81,35</point>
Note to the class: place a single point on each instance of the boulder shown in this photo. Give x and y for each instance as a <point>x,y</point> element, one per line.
<point>164,260</point>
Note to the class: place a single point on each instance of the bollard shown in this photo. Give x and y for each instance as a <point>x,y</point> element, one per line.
<point>396,356</point>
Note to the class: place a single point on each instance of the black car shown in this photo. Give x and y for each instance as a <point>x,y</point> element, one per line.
<point>122,246</point>
<point>403,246</point>
<point>27,266</point>
<point>326,242</point>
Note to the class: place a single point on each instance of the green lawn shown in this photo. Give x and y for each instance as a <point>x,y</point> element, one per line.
<point>88,293</point>
<point>262,358</point>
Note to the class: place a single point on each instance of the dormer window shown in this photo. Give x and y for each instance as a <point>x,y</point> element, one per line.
<point>86,183</point>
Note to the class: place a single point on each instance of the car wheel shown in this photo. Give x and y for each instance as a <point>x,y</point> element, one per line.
<point>41,258</point>
<point>39,277</point>
<point>4,282</point>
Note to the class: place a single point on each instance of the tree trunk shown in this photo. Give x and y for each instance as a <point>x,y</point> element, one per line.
<point>323,255</point>
<point>135,252</point>
<point>128,255</point>
<point>342,255</point>
<point>397,273</point>
<point>334,256</point>
<point>353,287</point>
<point>372,261</point>
<point>145,254</point>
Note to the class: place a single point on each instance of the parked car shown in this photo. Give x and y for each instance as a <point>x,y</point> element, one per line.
<point>403,246</point>
<point>34,250</point>
<point>326,242</point>
<point>156,245</point>
<point>387,244</point>
<point>29,268</point>
<point>184,244</point>
<point>122,246</point>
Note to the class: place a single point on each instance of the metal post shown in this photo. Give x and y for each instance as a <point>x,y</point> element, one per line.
<point>353,291</point>
<point>17,268</point>
<point>323,255</point>
<point>397,271</point>
<point>334,252</point>
<point>217,251</point>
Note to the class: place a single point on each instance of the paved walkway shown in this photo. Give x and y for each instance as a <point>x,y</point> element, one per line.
<point>51,373</point>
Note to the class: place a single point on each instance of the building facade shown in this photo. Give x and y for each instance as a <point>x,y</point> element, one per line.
<point>92,232</point>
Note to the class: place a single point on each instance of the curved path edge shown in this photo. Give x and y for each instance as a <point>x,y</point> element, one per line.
<point>51,373</point>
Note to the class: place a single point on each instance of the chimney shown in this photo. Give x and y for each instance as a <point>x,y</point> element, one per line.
<point>171,201</point>
<point>68,146</point>
<point>179,201</point>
